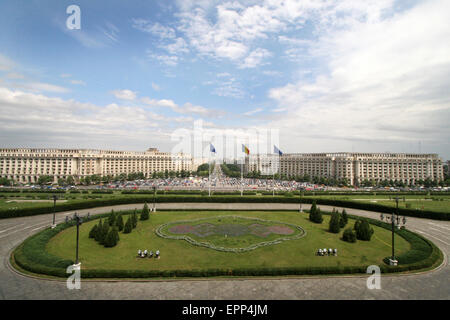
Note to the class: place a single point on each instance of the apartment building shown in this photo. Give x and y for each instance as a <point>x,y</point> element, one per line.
<point>358,167</point>
<point>27,165</point>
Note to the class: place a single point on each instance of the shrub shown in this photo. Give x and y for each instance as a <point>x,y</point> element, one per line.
<point>119,222</point>
<point>316,217</point>
<point>111,238</point>
<point>334,226</point>
<point>98,234</point>
<point>312,211</point>
<point>112,218</point>
<point>104,232</point>
<point>364,231</point>
<point>134,219</point>
<point>93,232</point>
<point>349,235</point>
<point>145,215</point>
<point>343,219</point>
<point>128,225</point>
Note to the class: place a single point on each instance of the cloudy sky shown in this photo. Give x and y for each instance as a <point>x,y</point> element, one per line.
<point>330,75</point>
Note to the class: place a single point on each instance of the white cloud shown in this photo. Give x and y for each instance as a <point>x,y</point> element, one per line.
<point>6,64</point>
<point>187,108</point>
<point>255,58</point>
<point>15,75</point>
<point>386,80</point>
<point>35,120</point>
<point>78,82</point>
<point>40,87</point>
<point>124,94</point>
<point>154,28</point>
<point>156,87</point>
<point>252,112</point>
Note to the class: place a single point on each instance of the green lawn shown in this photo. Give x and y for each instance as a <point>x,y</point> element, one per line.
<point>420,202</point>
<point>179,254</point>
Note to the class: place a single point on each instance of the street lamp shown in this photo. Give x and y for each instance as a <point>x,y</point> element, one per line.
<point>154,198</point>
<point>79,222</point>
<point>395,221</point>
<point>54,210</point>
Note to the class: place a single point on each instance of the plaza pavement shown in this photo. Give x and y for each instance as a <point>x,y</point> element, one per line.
<point>429,285</point>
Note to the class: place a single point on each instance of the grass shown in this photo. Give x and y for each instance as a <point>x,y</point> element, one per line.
<point>178,254</point>
<point>420,202</point>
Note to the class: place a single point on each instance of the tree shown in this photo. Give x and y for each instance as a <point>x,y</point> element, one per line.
<point>119,222</point>
<point>145,215</point>
<point>45,180</point>
<point>314,214</point>
<point>364,231</point>
<point>111,238</point>
<point>104,232</point>
<point>349,235</point>
<point>334,226</point>
<point>313,210</point>
<point>134,219</point>
<point>343,219</point>
<point>93,232</point>
<point>112,218</point>
<point>128,225</point>
<point>98,234</point>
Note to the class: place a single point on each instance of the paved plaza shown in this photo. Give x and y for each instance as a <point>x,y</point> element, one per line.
<point>430,285</point>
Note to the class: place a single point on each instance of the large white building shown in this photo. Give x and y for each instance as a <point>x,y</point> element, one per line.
<point>27,165</point>
<point>356,167</point>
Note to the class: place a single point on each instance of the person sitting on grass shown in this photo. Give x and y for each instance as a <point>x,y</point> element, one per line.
<point>150,254</point>
<point>145,252</point>
<point>139,252</point>
<point>157,254</point>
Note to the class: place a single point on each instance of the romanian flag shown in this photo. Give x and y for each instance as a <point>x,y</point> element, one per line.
<point>246,150</point>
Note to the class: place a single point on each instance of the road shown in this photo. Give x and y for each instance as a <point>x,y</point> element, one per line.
<point>430,285</point>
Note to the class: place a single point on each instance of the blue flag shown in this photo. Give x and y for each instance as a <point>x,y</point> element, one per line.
<point>211,148</point>
<point>276,150</point>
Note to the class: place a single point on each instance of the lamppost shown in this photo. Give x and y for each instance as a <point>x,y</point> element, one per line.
<point>300,191</point>
<point>154,199</point>
<point>395,221</point>
<point>54,210</point>
<point>79,222</point>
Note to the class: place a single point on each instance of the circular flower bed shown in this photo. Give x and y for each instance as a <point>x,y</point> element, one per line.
<point>230,227</point>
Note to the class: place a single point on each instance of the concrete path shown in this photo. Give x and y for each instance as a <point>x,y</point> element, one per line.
<point>431,285</point>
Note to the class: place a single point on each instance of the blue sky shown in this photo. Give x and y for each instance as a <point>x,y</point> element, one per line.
<point>329,75</point>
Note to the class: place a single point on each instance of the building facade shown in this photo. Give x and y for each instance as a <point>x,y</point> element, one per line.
<point>359,167</point>
<point>27,165</point>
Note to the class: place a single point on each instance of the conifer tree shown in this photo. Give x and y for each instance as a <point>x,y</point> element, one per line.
<point>343,219</point>
<point>145,215</point>
<point>312,211</point>
<point>128,226</point>
<point>98,234</point>
<point>112,218</point>
<point>334,226</point>
<point>134,220</point>
<point>119,222</point>
<point>364,231</point>
<point>93,232</point>
<point>110,239</point>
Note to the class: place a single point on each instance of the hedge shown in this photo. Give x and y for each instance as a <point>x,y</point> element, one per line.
<point>77,205</point>
<point>32,256</point>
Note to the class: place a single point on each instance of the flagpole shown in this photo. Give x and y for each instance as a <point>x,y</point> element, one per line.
<point>242,178</point>
<point>209,172</point>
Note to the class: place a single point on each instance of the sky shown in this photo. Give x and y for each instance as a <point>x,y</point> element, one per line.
<point>324,75</point>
